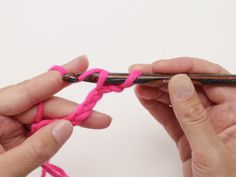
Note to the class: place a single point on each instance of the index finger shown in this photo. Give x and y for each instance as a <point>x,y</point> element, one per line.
<point>187,65</point>
<point>20,97</point>
<point>217,94</point>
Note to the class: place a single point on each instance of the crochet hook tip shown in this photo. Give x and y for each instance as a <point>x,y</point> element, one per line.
<point>70,77</point>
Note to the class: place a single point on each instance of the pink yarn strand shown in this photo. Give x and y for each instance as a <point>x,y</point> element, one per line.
<point>83,111</point>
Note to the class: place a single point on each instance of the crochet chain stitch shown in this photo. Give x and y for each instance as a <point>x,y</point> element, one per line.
<point>83,111</point>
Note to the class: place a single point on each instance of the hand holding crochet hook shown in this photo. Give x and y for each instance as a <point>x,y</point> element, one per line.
<point>201,119</point>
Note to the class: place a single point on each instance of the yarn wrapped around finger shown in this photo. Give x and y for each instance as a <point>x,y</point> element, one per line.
<point>83,111</point>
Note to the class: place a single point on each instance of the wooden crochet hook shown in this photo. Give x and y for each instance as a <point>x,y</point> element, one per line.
<point>155,79</point>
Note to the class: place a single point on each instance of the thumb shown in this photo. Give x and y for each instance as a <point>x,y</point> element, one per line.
<point>191,114</point>
<point>35,150</point>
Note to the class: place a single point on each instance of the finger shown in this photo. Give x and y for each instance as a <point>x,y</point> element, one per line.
<point>187,65</point>
<point>217,94</point>
<point>145,68</point>
<point>151,93</point>
<point>206,102</point>
<point>56,107</point>
<point>18,98</point>
<point>164,115</point>
<point>220,94</point>
<point>36,150</point>
<point>12,133</point>
<point>191,114</point>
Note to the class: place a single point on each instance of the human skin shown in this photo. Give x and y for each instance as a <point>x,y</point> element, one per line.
<point>20,154</point>
<point>201,120</point>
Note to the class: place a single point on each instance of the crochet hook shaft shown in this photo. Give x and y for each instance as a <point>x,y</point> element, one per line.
<point>155,79</point>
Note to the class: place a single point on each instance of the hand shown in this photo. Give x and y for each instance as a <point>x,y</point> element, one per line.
<point>19,154</point>
<point>201,120</point>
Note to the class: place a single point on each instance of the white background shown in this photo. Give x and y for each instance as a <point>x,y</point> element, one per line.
<point>114,34</point>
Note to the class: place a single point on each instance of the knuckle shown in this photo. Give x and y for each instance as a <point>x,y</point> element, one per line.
<point>195,114</point>
<point>39,151</point>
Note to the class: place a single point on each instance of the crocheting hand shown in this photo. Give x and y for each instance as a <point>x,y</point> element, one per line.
<point>20,155</point>
<point>201,120</point>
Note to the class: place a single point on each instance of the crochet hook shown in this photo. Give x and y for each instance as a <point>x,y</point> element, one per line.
<point>155,79</point>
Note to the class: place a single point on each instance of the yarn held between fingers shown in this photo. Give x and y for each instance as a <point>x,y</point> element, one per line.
<point>83,111</point>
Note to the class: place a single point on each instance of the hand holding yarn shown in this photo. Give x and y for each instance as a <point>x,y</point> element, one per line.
<point>83,111</point>
<point>19,107</point>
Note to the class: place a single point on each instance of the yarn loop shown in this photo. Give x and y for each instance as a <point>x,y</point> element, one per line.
<point>82,112</point>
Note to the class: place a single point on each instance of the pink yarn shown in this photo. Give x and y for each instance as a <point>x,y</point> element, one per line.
<point>83,111</point>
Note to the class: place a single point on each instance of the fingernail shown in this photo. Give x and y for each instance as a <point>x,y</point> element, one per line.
<point>62,131</point>
<point>183,87</point>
